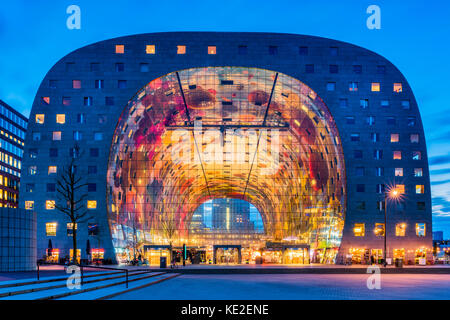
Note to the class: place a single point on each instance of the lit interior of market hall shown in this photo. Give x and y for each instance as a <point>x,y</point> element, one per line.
<point>240,165</point>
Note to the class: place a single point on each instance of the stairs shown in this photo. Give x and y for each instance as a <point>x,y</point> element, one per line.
<point>96,286</point>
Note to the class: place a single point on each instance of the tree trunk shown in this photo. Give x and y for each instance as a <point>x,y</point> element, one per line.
<point>74,239</point>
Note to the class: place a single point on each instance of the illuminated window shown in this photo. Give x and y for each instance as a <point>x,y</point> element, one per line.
<point>418,172</point>
<point>32,170</point>
<point>76,84</point>
<point>397,155</point>
<point>353,86</point>
<point>211,49</point>
<point>56,135</point>
<point>92,204</point>
<point>52,169</point>
<point>50,204</point>
<point>395,137</point>
<point>400,188</point>
<point>120,48</point>
<point>414,138</point>
<point>397,87</point>
<point>420,189</point>
<point>29,205</point>
<point>150,49</point>
<point>379,229</point>
<point>384,103</point>
<point>40,118</point>
<point>417,155</point>
<point>364,103</point>
<point>181,49</point>
<point>77,136</point>
<point>66,101</point>
<point>400,229</point>
<point>99,84</point>
<point>375,86</point>
<point>399,172</point>
<point>420,229</point>
<point>45,100</point>
<point>70,228</point>
<point>50,229</point>
<point>61,118</point>
<point>370,120</point>
<point>358,230</point>
<point>87,101</point>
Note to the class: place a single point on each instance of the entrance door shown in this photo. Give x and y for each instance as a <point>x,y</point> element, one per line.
<point>227,255</point>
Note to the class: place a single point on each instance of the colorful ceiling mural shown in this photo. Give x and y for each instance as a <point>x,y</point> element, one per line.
<point>226,132</point>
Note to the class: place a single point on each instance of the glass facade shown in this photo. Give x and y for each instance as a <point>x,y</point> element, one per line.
<point>226,132</point>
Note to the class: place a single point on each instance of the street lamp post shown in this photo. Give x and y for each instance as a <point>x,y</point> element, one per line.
<point>392,193</point>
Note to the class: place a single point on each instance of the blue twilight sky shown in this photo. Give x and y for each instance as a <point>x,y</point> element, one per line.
<point>414,35</point>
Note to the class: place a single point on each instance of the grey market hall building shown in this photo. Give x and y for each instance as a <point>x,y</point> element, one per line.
<point>343,129</point>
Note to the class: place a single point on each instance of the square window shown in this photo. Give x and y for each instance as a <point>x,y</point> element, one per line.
<point>370,120</point>
<point>359,171</point>
<point>109,101</point>
<point>416,155</point>
<point>45,101</point>
<point>273,50</point>
<point>70,66</point>
<point>414,138</point>
<point>144,67</point>
<point>398,172</point>
<point>92,169</point>
<point>122,84</point>
<point>360,188</point>
<point>381,205</point>
<point>331,86</point>
<point>92,228</point>
<point>350,120</point>
<point>33,153</point>
<point>420,189</point>
<point>70,229</point>
<point>120,67</point>
<point>95,66</point>
<point>334,68</point>
<point>92,204</point>
<point>309,68</point>
<point>56,136</point>
<point>357,68</point>
<point>120,48</point>
<point>395,137</point>
<point>61,118</point>
<point>400,188</point>
<point>353,86</point>
<point>384,103</point>
<point>354,137</point>
<point>77,135</point>
<point>378,154</point>
<point>87,101</point>
<point>405,104</point>
<point>418,172</point>
<point>357,154</point>
<point>397,87</point>
<point>375,87</point>
<point>360,205</point>
<point>391,121</point>
<point>101,119</point>
<point>93,152</point>
<point>343,103</point>
<point>400,229</point>
<point>181,49</point>
<point>303,51</point>
<point>379,188</point>
<point>150,49</point>
<point>81,118</point>
<point>76,84</point>
<point>420,229</point>
<point>49,204</point>
<point>40,118</point>
<point>421,206</point>
<point>411,121</point>
<point>334,51</point>
<point>29,187</point>
<point>98,136</point>
<point>36,136</point>
<point>29,205</point>
<point>66,101</point>
<point>50,229</point>
<point>211,49</point>
<point>53,84</point>
<point>375,137</point>
<point>242,49</point>
<point>358,230</point>
<point>92,187</point>
<point>53,152</point>
<point>51,187</point>
<point>379,229</point>
<point>397,155</point>
<point>52,169</point>
<point>381,69</point>
<point>379,171</point>
<point>99,84</point>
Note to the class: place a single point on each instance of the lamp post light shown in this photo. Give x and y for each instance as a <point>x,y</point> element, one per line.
<point>391,194</point>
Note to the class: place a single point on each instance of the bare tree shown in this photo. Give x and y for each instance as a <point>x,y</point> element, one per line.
<point>70,199</point>
<point>169,229</point>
